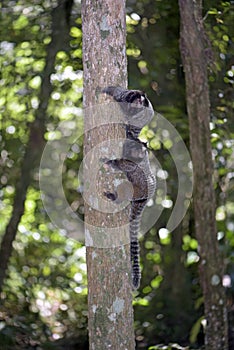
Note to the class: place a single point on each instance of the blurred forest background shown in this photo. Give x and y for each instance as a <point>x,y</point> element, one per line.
<point>43,298</point>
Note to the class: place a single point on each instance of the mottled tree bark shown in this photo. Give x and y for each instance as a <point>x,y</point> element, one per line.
<point>108,261</point>
<point>194,47</point>
<point>36,143</point>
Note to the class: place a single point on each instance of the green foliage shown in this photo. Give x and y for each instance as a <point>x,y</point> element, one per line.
<point>45,294</point>
<point>169,347</point>
<point>195,330</point>
<point>155,66</point>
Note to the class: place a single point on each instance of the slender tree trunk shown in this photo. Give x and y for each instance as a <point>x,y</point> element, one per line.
<point>36,141</point>
<point>108,261</point>
<point>193,46</point>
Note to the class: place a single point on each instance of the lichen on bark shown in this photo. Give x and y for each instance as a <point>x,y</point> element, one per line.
<point>104,61</point>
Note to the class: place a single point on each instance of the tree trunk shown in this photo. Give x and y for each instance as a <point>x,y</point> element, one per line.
<point>36,141</point>
<point>108,260</point>
<point>194,46</point>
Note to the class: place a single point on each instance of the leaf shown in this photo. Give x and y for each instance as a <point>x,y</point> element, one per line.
<point>195,330</point>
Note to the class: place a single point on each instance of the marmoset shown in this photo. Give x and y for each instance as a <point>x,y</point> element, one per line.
<point>135,164</point>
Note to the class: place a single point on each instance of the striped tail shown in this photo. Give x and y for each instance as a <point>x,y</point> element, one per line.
<point>137,208</point>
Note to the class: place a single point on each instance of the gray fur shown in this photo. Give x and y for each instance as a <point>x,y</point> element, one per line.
<point>134,164</point>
